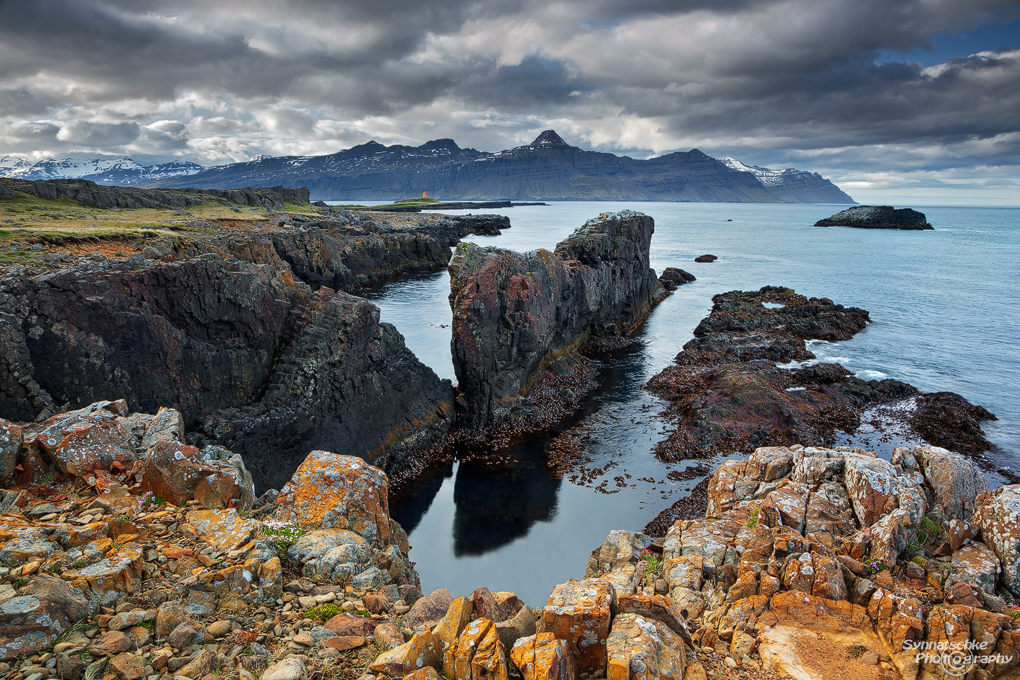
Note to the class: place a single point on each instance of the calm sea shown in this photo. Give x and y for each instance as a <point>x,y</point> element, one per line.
<point>944,317</point>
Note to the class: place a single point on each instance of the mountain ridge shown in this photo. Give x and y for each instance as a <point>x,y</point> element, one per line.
<point>546,169</point>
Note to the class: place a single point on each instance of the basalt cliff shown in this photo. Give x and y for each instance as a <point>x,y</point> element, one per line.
<point>245,326</point>
<point>516,314</point>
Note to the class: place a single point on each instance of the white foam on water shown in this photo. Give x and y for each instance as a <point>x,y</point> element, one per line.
<point>870,375</point>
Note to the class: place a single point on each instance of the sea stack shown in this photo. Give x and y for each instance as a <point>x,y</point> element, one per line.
<point>515,313</point>
<point>877,217</point>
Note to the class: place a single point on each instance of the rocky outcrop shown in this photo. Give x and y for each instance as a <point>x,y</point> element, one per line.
<point>98,196</point>
<point>727,391</point>
<point>672,278</point>
<point>245,333</point>
<point>833,561</point>
<point>877,217</point>
<point>514,314</point>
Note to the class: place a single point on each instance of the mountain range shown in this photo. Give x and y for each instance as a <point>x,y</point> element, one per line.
<point>117,171</point>
<point>546,169</point>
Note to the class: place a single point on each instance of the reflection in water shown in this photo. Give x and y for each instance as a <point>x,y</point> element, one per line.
<point>410,503</point>
<point>498,501</point>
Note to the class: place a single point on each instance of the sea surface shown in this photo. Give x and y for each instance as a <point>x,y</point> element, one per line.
<point>944,314</point>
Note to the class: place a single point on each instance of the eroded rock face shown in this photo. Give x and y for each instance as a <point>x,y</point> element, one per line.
<point>514,313</point>
<point>245,334</point>
<point>997,513</point>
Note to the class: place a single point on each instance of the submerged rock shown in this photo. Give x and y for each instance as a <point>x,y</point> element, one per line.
<point>877,217</point>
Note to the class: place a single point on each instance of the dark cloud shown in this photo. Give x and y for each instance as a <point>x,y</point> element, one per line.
<point>823,82</point>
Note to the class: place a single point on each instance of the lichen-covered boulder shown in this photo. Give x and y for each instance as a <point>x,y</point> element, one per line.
<point>579,612</point>
<point>424,650</point>
<point>330,491</point>
<point>334,553</point>
<point>871,483</point>
<point>32,621</point>
<point>953,480</point>
<point>543,657</point>
<point>977,565</point>
<point>997,513</point>
<point>177,472</point>
<point>643,649</point>
<point>223,529</point>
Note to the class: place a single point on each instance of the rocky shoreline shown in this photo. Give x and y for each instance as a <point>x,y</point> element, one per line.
<point>808,563</point>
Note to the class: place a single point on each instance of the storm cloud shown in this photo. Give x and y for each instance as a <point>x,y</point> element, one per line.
<point>876,94</point>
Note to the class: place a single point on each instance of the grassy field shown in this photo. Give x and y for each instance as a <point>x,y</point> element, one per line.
<point>32,218</point>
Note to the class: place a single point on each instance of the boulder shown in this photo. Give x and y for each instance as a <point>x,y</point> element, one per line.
<point>579,612</point>
<point>486,607</point>
<point>655,608</point>
<point>428,610</point>
<point>954,482</point>
<point>32,621</point>
<point>977,565</point>
<point>521,625</point>
<point>168,423</point>
<point>672,278</point>
<point>997,514</point>
<point>330,491</point>
<point>871,483</point>
<point>290,668</point>
<point>457,617</point>
<point>225,530</point>
<point>333,553</point>
<point>640,648</point>
<point>176,472</point>
<point>348,625</point>
<point>543,657</point>
<point>424,649</point>
<point>706,258</point>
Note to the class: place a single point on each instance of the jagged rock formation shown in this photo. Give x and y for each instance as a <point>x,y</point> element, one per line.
<point>514,314</point>
<point>727,393</point>
<point>877,217</point>
<point>836,550</point>
<point>548,168</point>
<point>246,332</point>
<point>91,194</point>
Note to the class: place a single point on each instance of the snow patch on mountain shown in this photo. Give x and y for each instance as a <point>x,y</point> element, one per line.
<point>121,171</point>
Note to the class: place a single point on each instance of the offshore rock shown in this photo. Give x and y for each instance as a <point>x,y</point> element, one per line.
<point>515,314</point>
<point>877,217</point>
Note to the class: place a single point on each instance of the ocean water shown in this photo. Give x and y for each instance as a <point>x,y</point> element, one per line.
<point>944,317</point>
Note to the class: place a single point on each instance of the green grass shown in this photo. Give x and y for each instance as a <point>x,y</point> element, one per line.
<point>54,220</point>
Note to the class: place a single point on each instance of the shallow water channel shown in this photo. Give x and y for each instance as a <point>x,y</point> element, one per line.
<point>509,521</point>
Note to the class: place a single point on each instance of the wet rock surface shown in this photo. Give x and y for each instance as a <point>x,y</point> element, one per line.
<point>877,217</point>
<point>727,392</point>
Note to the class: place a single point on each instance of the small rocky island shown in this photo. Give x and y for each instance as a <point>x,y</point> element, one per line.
<point>878,217</point>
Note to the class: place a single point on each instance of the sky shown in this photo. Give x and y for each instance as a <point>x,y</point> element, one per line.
<point>894,100</point>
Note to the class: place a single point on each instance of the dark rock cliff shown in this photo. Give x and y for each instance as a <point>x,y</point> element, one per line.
<point>877,217</point>
<point>98,196</point>
<point>246,332</point>
<point>514,313</point>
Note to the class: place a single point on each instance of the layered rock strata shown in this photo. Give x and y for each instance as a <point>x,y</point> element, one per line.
<point>877,217</point>
<point>515,314</point>
<point>727,391</point>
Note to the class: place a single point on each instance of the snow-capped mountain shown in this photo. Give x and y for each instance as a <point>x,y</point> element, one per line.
<point>119,171</point>
<point>792,185</point>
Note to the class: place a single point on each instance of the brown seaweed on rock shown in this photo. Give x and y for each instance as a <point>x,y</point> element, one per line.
<point>726,392</point>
